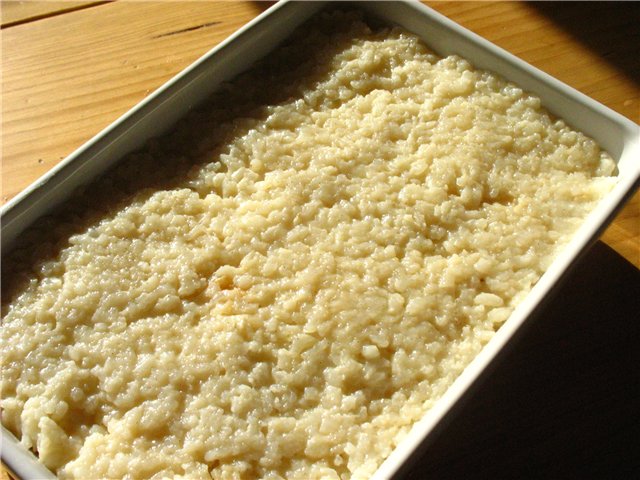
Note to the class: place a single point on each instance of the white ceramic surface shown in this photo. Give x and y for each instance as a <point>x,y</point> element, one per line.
<point>159,111</point>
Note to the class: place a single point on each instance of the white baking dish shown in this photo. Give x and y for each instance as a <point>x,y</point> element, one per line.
<point>154,115</point>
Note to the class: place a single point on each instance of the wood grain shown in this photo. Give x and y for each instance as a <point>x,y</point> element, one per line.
<point>55,99</point>
<point>16,12</point>
<point>68,72</point>
<point>79,71</point>
<point>596,58</point>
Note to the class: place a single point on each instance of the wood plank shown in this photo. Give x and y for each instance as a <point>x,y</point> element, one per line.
<point>522,29</point>
<point>14,12</point>
<point>68,76</point>
<point>115,54</point>
<point>623,235</point>
<point>582,59</point>
<point>54,99</point>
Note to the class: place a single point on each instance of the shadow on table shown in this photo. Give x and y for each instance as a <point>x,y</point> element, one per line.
<point>611,29</point>
<point>262,5</point>
<point>563,403</point>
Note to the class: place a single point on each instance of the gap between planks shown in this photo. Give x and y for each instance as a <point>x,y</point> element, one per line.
<point>26,12</point>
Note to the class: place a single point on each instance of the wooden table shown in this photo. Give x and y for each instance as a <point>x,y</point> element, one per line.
<point>71,68</point>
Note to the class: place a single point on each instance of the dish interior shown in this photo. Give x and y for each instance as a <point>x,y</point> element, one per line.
<point>304,265</point>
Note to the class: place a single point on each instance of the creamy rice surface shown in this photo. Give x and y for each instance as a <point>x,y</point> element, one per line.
<point>309,279</point>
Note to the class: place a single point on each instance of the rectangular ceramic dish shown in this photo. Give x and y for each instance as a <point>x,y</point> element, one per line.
<point>154,115</point>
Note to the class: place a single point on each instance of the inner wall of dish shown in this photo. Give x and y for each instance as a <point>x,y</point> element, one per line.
<point>447,38</point>
<point>153,117</point>
<point>341,173</point>
<point>161,110</point>
<point>182,101</point>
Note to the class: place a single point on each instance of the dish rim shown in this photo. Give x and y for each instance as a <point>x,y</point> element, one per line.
<point>550,282</point>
